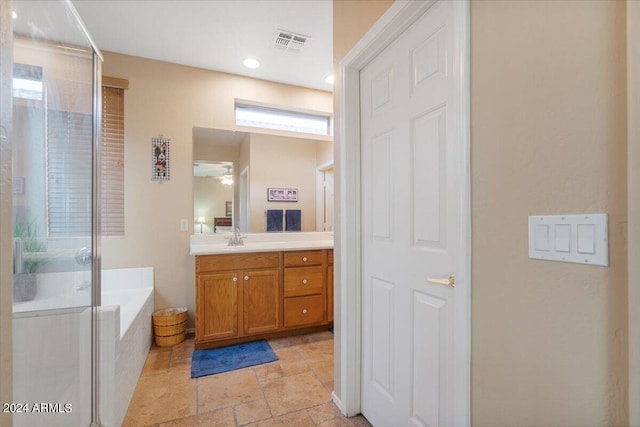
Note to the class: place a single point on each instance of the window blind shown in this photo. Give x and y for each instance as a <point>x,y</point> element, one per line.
<point>112,143</point>
<point>69,169</point>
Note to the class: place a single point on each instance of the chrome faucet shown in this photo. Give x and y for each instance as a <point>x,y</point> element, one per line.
<point>237,239</point>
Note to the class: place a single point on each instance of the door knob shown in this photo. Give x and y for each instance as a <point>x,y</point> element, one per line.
<point>448,281</point>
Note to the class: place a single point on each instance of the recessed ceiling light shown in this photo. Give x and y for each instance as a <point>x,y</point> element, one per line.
<point>14,15</point>
<point>251,63</point>
<point>329,80</point>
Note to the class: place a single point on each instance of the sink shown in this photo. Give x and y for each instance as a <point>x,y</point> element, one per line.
<point>220,248</point>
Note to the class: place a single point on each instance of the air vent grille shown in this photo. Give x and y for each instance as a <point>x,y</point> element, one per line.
<point>290,42</point>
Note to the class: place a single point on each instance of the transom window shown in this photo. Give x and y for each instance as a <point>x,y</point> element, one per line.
<point>280,119</point>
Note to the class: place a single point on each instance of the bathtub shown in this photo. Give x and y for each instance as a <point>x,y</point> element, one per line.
<point>125,338</point>
<point>52,336</point>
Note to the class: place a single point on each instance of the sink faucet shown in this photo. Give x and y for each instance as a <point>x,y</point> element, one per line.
<point>237,239</point>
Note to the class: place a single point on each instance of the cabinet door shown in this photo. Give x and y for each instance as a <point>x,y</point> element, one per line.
<point>261,301</point>
<point>217,314</point>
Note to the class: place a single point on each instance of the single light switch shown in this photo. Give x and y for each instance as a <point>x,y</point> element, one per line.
<point>563,238</point>
<point>586,239</point>
<point>542,237</point>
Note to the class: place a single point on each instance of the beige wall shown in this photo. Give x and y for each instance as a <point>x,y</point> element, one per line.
<point>633,180</point>
<point>549,340</point>
<point>169,99</point>
<point>282,163</point>
<point>324,152</point>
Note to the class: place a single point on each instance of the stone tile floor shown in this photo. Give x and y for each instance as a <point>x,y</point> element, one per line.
<point>294,391</point>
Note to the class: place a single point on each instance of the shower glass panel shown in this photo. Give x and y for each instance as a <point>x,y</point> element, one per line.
<point>55,86</point>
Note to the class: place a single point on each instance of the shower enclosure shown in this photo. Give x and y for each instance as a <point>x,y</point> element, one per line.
<point>54,213</point>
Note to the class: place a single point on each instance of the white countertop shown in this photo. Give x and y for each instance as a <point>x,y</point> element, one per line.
<point>208,244</point>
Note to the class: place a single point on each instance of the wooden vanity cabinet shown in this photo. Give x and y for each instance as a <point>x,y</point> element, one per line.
<point>217,306</point>
<point>237,295</point>
<point>305,284</point>
<point>246,296</point>
<point>330,285</point>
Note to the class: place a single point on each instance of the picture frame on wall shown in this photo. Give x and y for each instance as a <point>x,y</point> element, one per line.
<point>228,208</point>
<point>160,159</point>
<point>282,194</point>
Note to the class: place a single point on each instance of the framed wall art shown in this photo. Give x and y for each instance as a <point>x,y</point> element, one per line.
<point>282,194</point>
<point>160,159</point>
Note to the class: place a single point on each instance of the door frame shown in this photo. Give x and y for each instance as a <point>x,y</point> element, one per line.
<point>320,197</point>
<point>244,205</point>
<point>390,26</point>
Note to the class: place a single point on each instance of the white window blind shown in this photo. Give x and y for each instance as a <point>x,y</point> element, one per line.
<point>112,161</point>
<point>69,169</point>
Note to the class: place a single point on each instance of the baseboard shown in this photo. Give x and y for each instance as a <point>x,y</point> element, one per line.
<point>338,403</point>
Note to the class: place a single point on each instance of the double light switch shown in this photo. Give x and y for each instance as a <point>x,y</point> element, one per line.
<point>570,238</point>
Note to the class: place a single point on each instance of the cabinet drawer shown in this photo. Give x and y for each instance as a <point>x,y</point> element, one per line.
<point>226,262</point>
<point>300,281</point>
<point>303,310</point>
<point>302,258</point>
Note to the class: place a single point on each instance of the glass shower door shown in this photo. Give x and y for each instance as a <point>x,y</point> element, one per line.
<point>55,218</point>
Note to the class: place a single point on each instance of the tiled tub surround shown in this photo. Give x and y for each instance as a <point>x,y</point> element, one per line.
<point>58,341</point>
<point>125,337</point>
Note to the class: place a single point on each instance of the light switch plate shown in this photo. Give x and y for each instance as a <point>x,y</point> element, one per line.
<point>582,239</point>
<point>184,225</point>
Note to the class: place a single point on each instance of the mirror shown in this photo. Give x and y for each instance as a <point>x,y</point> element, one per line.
<point>261,167</point>
<point>212,196</point>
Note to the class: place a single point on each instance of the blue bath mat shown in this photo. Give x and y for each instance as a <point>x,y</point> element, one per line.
<point>216,360</point>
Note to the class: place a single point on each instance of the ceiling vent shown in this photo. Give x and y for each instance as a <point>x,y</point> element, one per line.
<point>290,42</point>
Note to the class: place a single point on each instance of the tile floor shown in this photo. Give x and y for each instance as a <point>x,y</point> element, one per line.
<point>294,391</point>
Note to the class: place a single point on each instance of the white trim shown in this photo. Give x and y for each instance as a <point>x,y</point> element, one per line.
<point>633,213</point>
<point>394,22</point>
<point>320,169</point>
<point>244,218</point>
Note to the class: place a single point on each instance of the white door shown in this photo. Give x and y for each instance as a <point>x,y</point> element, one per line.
<point>412,180</point>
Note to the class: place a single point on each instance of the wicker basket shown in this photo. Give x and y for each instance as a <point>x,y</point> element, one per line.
<point>170,326</point>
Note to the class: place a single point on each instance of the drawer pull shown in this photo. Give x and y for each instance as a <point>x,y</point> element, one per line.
<point>304,311</point>
<point>304,281</point>
<point>304,259</point>
<point>246,277</point>
<point>235,279</point>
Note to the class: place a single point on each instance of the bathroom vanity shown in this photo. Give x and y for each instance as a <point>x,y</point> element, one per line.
<point>272,286</point>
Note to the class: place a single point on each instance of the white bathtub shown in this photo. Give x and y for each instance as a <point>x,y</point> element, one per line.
<point>52,336</point>
<point>125,338</point>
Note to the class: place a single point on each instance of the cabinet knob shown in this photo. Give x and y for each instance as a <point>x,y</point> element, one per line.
<point>304,259</point>
<point>304,281</point>
<point>235,279</point>
<point>304,311</point>
<point>246,277</point>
